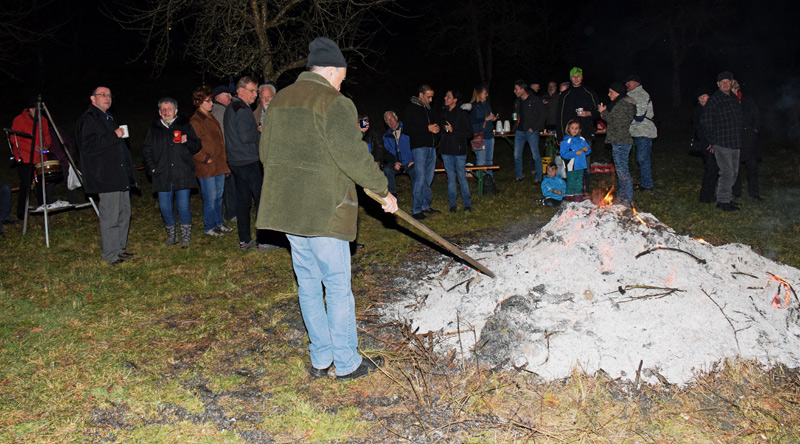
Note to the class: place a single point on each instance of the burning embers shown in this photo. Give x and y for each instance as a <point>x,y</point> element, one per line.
<point>783,288</point>
<point>675,303</point>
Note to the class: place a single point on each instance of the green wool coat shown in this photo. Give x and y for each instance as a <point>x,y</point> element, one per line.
<point>313,158</point>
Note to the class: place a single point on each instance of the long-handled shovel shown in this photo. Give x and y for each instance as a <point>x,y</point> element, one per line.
<point>433,235</point>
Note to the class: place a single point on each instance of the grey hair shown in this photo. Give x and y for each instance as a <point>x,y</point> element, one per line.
<point>267,85</point>
<point>389,112</point>
<point>168,100</point>
<point>244,81</point>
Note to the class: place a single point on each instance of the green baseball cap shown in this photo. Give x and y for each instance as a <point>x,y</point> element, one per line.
<point>576,72</point>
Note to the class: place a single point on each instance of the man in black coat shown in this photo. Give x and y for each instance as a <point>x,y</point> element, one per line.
<point>108,170</point>
<point>578,103</point>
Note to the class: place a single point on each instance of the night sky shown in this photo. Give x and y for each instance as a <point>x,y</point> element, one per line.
<point>758,42</point>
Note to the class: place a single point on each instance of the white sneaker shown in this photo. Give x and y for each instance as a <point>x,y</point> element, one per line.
<point>224,229</point>
<point>213,232</point>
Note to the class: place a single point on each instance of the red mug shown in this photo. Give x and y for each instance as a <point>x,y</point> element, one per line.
<point>176,136</point>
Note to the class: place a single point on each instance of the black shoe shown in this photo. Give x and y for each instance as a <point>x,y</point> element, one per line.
<point>518,179</point>
<point>452,209</point>
<point>10,221</point>
<point>367,366</point>
<point>468,209</point>
<point>117,262</point>
<point>125,255</point>
<point>735,205</point>
<point>419,216</point>
<point>727,206</point>
<point>641,188</point>
<point>319,372</point>
<point>758,198</point>
<point>431,211</point>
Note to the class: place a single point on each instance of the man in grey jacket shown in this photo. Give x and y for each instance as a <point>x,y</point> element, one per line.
<point>642,129</point>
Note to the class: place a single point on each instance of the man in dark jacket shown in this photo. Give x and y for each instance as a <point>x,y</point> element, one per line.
<point>398,144</point>
<point>108,170</point>
<point>423,131</point>
<point>722,124</point>
<point>241,148</point>
<point>530,120</point>
<point>313,158</point>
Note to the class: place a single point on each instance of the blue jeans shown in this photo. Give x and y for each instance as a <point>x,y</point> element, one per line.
<point>248,180</point>
<point>621,153</point>
<point>424,163</point>
<point>165,204</point>
<point>485,156</point>
<point>532,137</point>
<point>212,188</point>
<point>330,316</point>
<point>390,173</point>
<point>643,147</point>
<point>455,166</point>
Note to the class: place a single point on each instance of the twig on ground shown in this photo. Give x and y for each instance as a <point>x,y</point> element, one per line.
<point>638,375</point>
<point>734,273</point>
<point>735,337</point>
<point>465,281</point>
<point>699,261</point>
<point>446,268</point>
<point>667,291</point>
<point>547,342</point>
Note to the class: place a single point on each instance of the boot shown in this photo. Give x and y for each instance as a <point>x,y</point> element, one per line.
<point>186,235</point>
<point>172,235</point>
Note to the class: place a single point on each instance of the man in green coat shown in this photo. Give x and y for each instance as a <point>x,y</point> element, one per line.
<point>313,158</point>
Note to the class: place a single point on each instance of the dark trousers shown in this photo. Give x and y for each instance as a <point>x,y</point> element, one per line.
<point>710,175</point>
<point>248,180</point>
<point>751,165</point>
<point>25,171</point>
<point>229,197</point>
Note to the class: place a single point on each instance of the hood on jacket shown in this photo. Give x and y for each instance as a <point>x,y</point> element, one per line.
<point>415,100</point>
<point>180,119</point>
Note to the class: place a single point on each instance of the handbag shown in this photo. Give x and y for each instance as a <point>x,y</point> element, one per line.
<point>73,182</point>
<point>477,138</point>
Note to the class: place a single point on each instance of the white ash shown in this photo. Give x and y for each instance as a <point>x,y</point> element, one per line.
<point>555,305</point>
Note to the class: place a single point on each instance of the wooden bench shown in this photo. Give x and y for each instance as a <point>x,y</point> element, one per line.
<point>481,170</point>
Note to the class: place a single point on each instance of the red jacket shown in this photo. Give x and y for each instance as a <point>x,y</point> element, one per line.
<point>22,145</point>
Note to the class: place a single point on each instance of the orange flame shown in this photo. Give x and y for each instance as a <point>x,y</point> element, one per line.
<point>609,198</point>
<point>783,287</point>
<point>702,241</point>
<point>636,213</point>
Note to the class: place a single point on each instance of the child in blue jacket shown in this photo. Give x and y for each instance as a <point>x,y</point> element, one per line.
<point>553,187</point>
<point>574,150</point>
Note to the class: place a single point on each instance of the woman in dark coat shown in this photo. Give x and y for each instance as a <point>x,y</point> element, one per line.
<point>700,147</point>
<point>168,149</point>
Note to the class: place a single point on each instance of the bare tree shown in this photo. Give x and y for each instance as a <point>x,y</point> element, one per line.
<point>266,37</point>
<point>21,30</point>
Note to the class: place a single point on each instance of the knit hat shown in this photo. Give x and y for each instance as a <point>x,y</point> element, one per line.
<point>618,87</point>
<point>724,75</point>
<point>702,90</point>
<point>576,72</point>
<point>323,51</point>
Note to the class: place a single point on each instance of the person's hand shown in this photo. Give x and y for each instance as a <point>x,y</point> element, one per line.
<point>710,149</point>
<point>601,108</point>
<point>391,203</point>
<point>410,164</point>
<point>184,138</point>
<point>397,166</point>
<point>491,117</point>
<point>559,192</point>
<point>433,128</point>
<point>119,132</point>
<point>448,127</point>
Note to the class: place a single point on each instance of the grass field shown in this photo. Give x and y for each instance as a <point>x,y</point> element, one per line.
<point>206,345</point>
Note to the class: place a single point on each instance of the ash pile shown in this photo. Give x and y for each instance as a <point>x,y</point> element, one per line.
<point>601,288</point>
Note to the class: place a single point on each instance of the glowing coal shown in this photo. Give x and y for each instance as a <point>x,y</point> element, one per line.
<point>603,288</point>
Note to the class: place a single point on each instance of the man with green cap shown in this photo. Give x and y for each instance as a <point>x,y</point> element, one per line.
<point>578,103</point>
<point>313,158</point>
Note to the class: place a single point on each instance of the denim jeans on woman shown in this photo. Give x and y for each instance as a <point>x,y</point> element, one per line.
<point>181,197</point>
<point>330,322</point>
<point>212,188</point>
<point>485,156</point>
<point>621,153</point>
<point>455,167</point>
<point>643,147</point>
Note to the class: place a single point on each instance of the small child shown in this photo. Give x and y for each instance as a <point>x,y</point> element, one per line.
<point>553,187</point>
<point>574,150</point>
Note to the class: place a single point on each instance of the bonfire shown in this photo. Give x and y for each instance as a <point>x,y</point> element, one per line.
<point>603,288</point>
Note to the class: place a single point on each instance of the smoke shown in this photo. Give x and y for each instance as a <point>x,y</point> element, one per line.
<point>783,120</point>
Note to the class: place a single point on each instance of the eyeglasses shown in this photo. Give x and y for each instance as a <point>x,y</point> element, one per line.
<point>254,91</point>
<point>207,100</point>
<point>104,95</point>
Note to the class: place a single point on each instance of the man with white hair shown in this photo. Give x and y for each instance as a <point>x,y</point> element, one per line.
<point>266,92</point>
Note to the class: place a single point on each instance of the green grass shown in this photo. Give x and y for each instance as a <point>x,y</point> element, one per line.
<point>174,345</point>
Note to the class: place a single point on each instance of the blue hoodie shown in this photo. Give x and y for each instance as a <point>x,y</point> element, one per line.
<point>550,184</point>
